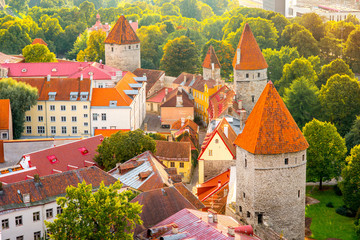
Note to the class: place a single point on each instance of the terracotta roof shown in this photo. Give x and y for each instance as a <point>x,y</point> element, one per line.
<point>122,33</point>
<point>98,25</point>
<point>64,157</point>
<point>158,205</point>
<point>124,84</point>
<point>5,113</point>
<point>189,195</point>
<point>4,58</point>
<point>251,57</point>
<point>193,224</point>
<point>18,176</point>
<point>211,58</point>
<point>62,86</point>
<point>208,188</point>
<point>188,122</point>
<point>173,151</point>
<point>220,101</point>
<point>102,97</point>
<point>159,96</point>
<point>172,96</point>
<point>51,187</point>
<point>157,179</point>
<point>109,132</point>
<point>270,128</point>
<point>152,76</point>
<point>228,141</point>
<point>39,41</point>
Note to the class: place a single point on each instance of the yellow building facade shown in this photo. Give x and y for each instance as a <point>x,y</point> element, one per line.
<point>183,168</point>
<point>201,100</point>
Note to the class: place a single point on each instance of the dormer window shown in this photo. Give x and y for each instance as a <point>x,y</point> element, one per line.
<point>54,70</point>
<point>73,96</point>
<point>52,96</point>
<point>113,103</point>
<point>23,70</point>
<point>84,96</point>
<point>52,159</point>
<point>90,73</point>
<point>83,151</point>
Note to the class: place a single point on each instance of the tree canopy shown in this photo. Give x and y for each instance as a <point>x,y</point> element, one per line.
<point>103,214</point>
<point>326,151</point>
<point>95,50</point>
<point>352,138</point>
<point>38,53</point>
<point>121,147</point>
<point>338,66</point>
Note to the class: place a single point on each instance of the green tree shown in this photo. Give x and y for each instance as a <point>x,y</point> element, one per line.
<point>339,30</point>
<point>280,22</point>
<point>338,66</point>
<point>288,33</point>
<point>14,39</point>
<point>300,67</point>
<point>326,151</point>
<point>80,44</point>
<point>149,19</point>
<point>104,214</point>
<point>213,27</point>
<point>121,147</point>
<point>95,50</point>
<point>38,53</point>
<point>314,24</point>
<point>170,9</point>
<point>350,185</point>
<point>302,101</point>
<point>22,96</point>
<point>352,50</point>
<point>353,19</point>
<point>218,6</point>
<point>52,30</point>
<point>232,25</point>
<point>305,43</point>
<point>19,5</point>
<point>193,34</point>
<point>180,55</point>
<point>340,101</point>
<point>190,9</point>
<point>352,138</point>
<point>205,10</point>
<point>330,48</point>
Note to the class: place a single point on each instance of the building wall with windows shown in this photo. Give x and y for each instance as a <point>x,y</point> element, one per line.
<point>201,101</point>
<point>58,119</point>
<point>110,118</point>
<point>184,168</point>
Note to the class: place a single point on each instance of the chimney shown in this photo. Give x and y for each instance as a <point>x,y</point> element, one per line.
<point>214,214</point>
<point>238,56</point>
<point>240,104</point>
<point>166,91</point>
<point>226,130</point>
<point>100,61</point>
<point>182,122</point>
<point>91,77</point>
<point>26,198</point>
<point>213,71</point>
<point>184,79</point>
<point>81,77</point>
<point>210,218</point>
<point>175,229</point>
<point>130,21</point>
<point>231,231</point>
<point>219,183</point>
<point>179,99</point>
<point>48,78</point>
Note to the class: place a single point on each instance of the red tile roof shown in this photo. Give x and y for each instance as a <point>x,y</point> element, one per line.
<point>122,33</point>
<point>98,25</point>
<point>158,205</point>
<point>188,122</point>
<point>172,96</point>
<point>18,176</point>
<point>220,101</point>
<point>210,187</point>
<point>5,113</point>
<point>228,141</point>
<point>173,151</point>
<point>39,41</point>
<point>251,57</point>
<point>51,187</point>
<point>109,132</point>
<point>270,128</point>
<point>211,58</point>
<point>64,157</point>
<point>159,96</point>
<point>189,195</point>
<point>4,58</point>
<point>102,97</point>
<point>152,76</point>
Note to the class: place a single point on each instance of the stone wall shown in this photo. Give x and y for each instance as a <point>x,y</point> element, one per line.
<point>212,168</point>
<point>207,73</point>
<point>249,85</point>
<point>269,187</point>
<point>123,57</point>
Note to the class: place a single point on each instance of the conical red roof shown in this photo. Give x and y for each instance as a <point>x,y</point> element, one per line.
<point>211,58</point>
<point>122,33</point>
<point>39,41</point>
<point>251,57</point>
<point>270,128</point>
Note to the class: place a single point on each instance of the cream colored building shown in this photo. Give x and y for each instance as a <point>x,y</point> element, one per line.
<point>62,110</point>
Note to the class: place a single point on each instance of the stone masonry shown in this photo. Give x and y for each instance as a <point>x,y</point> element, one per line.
<point>213,168</point>
<point>124,57</point>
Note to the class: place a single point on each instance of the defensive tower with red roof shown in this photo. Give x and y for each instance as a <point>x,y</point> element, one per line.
<point>249,70</point>
<point>122,47</point>
<point>211,65</point>
<point>271,168</point>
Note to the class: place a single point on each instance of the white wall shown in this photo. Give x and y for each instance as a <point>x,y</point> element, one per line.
<point>118,117</point>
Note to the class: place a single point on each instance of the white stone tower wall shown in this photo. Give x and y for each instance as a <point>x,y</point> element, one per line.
<point>248,83</point>
<point>207,73</point>
<point>123,57</point>
<point>274,189</point>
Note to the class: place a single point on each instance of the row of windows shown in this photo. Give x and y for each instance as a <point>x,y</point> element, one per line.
<point>286,160</point>
<point>247,75</point>
<point>62,107</point>
<point>53,118</point>
<point>41,130</point>
<point>103,116</point>
<point>129,47</point>
<point>172,164</point>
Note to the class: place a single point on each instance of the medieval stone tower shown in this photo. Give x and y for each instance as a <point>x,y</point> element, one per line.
<point>249,70</point>
<point>271,168</point>
<point>122,47</point>
<point>211,65</point>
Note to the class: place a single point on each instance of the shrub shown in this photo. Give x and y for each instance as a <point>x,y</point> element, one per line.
<point>337,190</point>
<point>330,205</point>
<point>344,211</point>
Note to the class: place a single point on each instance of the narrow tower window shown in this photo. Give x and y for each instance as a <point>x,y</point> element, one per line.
<point>248,214</point>
<point>298,193</point>
<point>112,49</point>
<point>247,75</point>
<point>245,162</point>
<point>258,74</point>
<point>286,161</point>
<point>253,98</point>
<point>240,209</point>
<point>260,218</point>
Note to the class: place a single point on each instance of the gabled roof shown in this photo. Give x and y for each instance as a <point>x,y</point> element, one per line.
<point>173,151</point>
<point>188,122</point>
<point>193,224</point>
<point>228,141</point>
<point>122,33</point>
<point>18,176</point>
<point>158,205</point>
<point>251,57</point>
<point>159,96</point>
<point>62,86</point>
<point>64,157</point>
<point>39,41</point>
<point>109,132</point>
<point>5,114</point>
<point>128,172</point>
<point>194,81</point>
<point>213,185</point>
<point>101,97</point>
<point>4,58</point>
<point>220,101</point>
<point>211,58</point>
<point>98,25</point>
<point>172,96</point>
<point>189,195</point>
<point>51,187</point>
<point>270,128</point>
<point>152,76</point>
